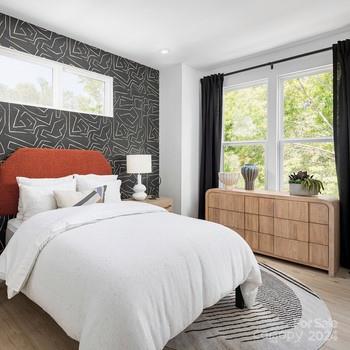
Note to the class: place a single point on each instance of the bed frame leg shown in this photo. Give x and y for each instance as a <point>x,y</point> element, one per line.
<point>239,298</point>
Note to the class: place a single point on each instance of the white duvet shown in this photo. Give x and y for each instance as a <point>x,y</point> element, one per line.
<point>126,276</point>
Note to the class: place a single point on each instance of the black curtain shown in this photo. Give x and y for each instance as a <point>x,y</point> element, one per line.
<point>341,125</point>
<point>212,97</point>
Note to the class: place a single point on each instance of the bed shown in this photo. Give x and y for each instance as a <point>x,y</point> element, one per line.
<point>12,226</point>
<point>125,275</point>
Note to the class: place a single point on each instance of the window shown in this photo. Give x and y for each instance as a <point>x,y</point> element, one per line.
<point>245,128</point>
<point>25,82</point>
<point>307,131</point>
<point>282,124</point>
<point>82,93</point>
<point>30,80</point>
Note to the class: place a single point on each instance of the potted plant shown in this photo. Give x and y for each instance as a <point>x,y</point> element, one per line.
<point>303,184</point>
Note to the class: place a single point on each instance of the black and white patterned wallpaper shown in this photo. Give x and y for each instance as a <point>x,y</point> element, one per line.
<point>133,129</point>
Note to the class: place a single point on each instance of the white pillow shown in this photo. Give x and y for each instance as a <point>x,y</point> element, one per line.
<point>36,200</point>
<point>68,183</point>
<point>98,177</point>
<point>28,181</point>
<point>66,199</point>
<point>87,182</point>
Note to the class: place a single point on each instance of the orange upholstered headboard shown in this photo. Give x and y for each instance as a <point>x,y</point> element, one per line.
<point>42,162</point>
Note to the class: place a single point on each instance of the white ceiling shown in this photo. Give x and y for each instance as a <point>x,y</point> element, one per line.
<point>201,33</point>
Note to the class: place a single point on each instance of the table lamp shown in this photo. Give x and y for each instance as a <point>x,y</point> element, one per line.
<point>139,164</point>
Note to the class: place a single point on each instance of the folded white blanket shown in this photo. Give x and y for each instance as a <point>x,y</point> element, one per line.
<point>126,275</point>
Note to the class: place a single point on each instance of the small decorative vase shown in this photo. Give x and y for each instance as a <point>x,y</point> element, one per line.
<point>229,180</point>
<point>249,173</point>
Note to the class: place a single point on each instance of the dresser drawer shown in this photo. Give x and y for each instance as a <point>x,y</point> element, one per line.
<point>293,210</point>
<point>291,249</point>
<point>266,206</point>
<point>319,234</point>
<point>281,209</point>
<point>251,205</point>
<point>298,211</point>
<point>232,202</point>
<point>232,219</point>
<point>214,215</point>
<point>252,239</point>
<point>226,217</point>
<point>266,224</point>
<point>226,201</point>
<point>266,243</point>
<point>251,222</point>
<point>290,229</point>
<point>319,213</point>
<point>318,254</point>
<point>213,200</point>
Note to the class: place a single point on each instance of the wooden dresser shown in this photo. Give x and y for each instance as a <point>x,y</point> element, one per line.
<point>299,229</point>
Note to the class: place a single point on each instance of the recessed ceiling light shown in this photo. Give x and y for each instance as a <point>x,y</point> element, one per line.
<point>164,51</point>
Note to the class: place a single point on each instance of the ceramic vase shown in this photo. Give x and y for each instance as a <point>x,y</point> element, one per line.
<point>249,173</point>
<point>229,180</point>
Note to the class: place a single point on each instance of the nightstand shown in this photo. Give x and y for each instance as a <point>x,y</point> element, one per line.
<point>164,202</point>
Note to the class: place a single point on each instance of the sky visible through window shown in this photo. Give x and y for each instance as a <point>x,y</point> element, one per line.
<point>14,72</point>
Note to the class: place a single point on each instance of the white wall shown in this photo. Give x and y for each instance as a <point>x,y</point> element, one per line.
<point>190,140</point>
<point>170,110</point>
<point>179,136</point>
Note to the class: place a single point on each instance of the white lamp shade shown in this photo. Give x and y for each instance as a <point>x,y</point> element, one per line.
<point>138,163</point>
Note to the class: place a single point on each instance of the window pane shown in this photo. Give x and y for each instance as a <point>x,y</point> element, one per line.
<point>308,106</point>
<point>83,94</point>
<point>245,113</point>
<point>25,82</point>
<point>236,156</point>
<point>316,158</point>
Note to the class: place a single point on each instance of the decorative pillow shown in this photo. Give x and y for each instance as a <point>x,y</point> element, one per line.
<point>35,200</point>
<point>65,199</point>
<point>61,183</point>
<point>87,182</point>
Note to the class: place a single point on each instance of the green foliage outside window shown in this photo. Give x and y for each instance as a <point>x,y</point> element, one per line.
<point>308,106</point>
<point>40,93</point>
<point>308,113</point>
<point>245,114</point>
<point>90,101</point>
<point>245,119</point>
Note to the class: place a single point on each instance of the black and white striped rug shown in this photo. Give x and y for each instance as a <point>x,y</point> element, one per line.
<point>287,315</point>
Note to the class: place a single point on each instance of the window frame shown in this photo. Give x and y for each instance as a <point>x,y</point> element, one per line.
<point>57,87</point>
<point>273,145</point>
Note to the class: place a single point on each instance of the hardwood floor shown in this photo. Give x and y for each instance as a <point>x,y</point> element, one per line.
<point>24,326</point>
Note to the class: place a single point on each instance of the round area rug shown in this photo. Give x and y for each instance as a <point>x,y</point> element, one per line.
<point>286,315</point>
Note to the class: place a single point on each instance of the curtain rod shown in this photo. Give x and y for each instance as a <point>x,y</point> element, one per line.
<point>271,64</point>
